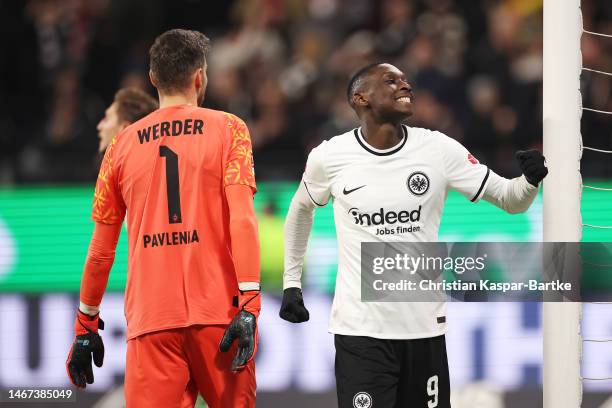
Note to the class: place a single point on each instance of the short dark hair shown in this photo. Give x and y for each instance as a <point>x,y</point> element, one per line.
<point>134,104</point>
<point>175,55</point>
<point>356,79</point>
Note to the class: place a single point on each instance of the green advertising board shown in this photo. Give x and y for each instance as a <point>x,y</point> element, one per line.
<point>45,232</point>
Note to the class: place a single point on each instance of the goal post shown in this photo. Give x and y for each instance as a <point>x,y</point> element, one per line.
<point>562,386</point>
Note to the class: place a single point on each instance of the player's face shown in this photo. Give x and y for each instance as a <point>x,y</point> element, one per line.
<point>390,95</point>
<point>109,126</point>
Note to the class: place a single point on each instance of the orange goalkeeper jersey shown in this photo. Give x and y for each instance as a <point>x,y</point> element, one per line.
<point>169,171</point>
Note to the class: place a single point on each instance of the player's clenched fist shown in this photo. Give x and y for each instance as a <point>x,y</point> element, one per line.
<point>293,309</point>
<point>87,342</point>
<point>532,165</point>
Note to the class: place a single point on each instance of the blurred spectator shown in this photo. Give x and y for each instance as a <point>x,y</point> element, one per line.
<point>283,66</point>
<point>129,105</point>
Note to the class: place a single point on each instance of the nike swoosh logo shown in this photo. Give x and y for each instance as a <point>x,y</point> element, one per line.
<point>345,191</point>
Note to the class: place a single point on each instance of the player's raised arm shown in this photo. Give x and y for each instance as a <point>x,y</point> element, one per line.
<point>475,181</point>
<point>313,191</point>
<point>516,195</point>
<point>108,213</point>
<point>239,182</point>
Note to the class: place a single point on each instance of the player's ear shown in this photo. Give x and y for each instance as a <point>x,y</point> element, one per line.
<point>359,99</point>
<point>152,78</point>
<point>199,78</point>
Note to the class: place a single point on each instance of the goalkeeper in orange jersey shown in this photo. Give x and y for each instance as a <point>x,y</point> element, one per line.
<point>184,176</point>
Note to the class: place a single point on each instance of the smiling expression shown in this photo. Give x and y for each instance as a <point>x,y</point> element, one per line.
<point>387,93</point>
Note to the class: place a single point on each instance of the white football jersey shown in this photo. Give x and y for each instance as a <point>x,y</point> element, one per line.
<point>392,195</point>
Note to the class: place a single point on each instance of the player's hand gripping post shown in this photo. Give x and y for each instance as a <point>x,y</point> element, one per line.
<point>532,164</point>
<point>243,329</point>
<point>87,343</point>
<point>292,308</point>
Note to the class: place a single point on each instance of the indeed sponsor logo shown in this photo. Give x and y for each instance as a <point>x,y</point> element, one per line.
<point>383,218</point>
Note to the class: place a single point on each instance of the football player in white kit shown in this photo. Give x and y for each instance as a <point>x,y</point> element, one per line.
<point>389,182</point>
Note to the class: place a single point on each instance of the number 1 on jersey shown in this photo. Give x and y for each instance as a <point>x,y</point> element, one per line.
<point>172,185</point>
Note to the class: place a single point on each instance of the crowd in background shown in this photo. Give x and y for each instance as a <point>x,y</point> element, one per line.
<point>283,66</point>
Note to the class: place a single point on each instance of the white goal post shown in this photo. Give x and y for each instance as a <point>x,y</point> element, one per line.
<point>562,192</point>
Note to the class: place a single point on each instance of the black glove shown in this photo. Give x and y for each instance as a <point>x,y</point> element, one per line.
<point>241,328</point>
<point>532,165</point>
<point>87,342</point>
<point>293,309</point>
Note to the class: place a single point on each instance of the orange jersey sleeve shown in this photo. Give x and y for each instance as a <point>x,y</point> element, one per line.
<point>169,172</point>
<point>99,262</point>
<point>244,234</point>
<point>108,205</point>
<point>239,167</point>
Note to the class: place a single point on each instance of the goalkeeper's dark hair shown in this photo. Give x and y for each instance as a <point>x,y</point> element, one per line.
<point>175,56</point>
<point>357,79</point>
